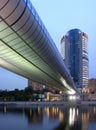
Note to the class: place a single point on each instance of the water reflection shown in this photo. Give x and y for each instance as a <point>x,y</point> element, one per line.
<point>70,119</point>
<point>34,116</point>
<point>50,118</point>
<point>52,113</point>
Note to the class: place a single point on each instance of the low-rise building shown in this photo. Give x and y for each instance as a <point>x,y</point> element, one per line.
<point>89,93</point>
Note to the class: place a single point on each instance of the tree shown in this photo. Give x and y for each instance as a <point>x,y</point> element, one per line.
<point>29,89</point>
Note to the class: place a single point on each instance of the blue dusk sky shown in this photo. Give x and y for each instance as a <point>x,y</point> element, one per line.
<point>59,16</point>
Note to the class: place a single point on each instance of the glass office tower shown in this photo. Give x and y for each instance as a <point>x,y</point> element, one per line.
<point>74,50</point>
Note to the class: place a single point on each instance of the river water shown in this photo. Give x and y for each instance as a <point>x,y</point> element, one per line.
<point>48,118</point>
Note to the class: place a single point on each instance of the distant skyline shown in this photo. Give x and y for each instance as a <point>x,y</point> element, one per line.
<point>59,17</point>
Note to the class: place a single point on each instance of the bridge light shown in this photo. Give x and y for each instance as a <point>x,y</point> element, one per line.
<point>70,90</point>
<point>72,97</point>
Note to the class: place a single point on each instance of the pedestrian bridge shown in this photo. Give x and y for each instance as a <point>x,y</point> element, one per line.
<point>27,49</point>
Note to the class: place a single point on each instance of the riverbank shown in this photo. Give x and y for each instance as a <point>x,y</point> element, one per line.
<point>49,103</point>
<point>38,103</point>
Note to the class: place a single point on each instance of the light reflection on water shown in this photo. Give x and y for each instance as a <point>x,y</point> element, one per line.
<point>49,118</point>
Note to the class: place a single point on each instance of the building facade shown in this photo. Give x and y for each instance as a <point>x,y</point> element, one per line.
<point>92,85</point>
<point>36,86</point>
<point>90,91</point>
<point>74,50</point>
